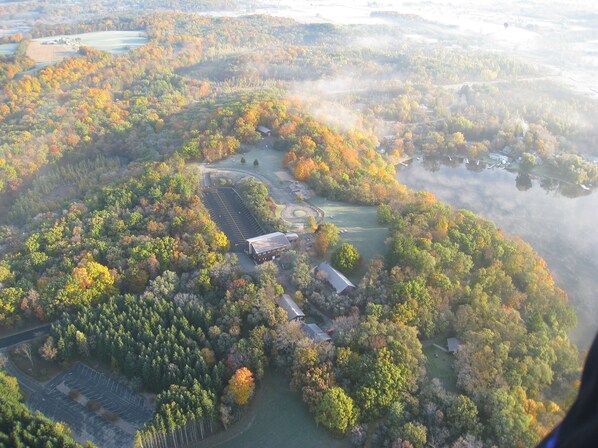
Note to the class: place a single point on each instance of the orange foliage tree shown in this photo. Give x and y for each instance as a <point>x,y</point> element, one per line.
<point>241,385</point>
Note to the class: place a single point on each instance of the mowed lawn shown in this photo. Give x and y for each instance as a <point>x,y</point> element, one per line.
<point>440,364</point>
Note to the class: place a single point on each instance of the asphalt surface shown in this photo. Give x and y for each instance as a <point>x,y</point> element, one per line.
<point>15,339</point>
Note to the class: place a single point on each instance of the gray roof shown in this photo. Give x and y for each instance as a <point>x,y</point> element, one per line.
<point>316,333</point>
<point>337,280</point>
<point>453,344</point>
<point>263,129</point>
<point>271,241</point>
<point>288,304</point>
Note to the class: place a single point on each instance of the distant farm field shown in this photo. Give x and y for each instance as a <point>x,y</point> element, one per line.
<point>45,51</point>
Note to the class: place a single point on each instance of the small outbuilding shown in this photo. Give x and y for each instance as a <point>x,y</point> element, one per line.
<point>267,247</point>
<point>291,236</point>
<point>453,344</point>
<point>290,306</point>
<point>335,279</point>
<point>499,158</point>
<point>264,131</point>
<point>315,333</point>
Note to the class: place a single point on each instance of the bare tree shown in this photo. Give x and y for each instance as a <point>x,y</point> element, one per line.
<point>25,349</point>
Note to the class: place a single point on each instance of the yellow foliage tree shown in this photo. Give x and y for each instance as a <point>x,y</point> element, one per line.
<point>241,385</point>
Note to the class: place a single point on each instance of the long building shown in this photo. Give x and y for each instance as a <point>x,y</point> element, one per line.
<point>335,279</point>
<point>315,333</point>
<point>290,306</point>
<point>268,247</point>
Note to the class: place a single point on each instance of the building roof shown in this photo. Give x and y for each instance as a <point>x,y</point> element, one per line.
<point>263,129</point>
<point>453,344</point>
<point>316,333</point>
<point>337,280</point>
<point>271,241</point>
<point>288,304</point>
<point>499,157</point>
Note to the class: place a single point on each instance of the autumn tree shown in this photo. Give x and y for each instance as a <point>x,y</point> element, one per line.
<point>462,416</point>
<point>241,385</point>
<point>346,258</point>
<point>415,433</point>
<point>48,350</point>
<point>336,411</point>
<point>327,236</point>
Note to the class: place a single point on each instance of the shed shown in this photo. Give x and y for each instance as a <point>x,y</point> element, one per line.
<point>267,247</point>
<point>316,333</point>
<point>264,131</point>
<point>499,158</point>
<point>338,281</point>
<point>453,344</point>
<point>290,306</point>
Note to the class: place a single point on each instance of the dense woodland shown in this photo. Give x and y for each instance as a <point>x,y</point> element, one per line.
<point>107,237</point>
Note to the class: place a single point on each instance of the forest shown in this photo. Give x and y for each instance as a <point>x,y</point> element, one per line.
<point>106,235</point>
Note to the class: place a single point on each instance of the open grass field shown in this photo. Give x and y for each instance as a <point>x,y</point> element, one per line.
<point>276,418</point>
<point>49,54</point>
<point>359,226</point>
<point>439,364</point>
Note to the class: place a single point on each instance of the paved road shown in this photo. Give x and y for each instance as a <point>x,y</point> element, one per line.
<point>14,339</point>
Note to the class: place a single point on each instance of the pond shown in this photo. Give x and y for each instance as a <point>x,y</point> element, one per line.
<point>562,230</point>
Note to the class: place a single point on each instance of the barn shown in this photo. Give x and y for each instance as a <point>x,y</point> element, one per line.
<point>290,306</point>
<point>335,279</point>
<point>315,333</point>
<point>267,247</point>
<point>264,131</point>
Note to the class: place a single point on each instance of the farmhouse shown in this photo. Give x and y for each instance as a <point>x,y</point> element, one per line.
<point>338,281</point>
<point>264,131</point>
<point>288,304</point>
<point>267,247</point>
<point>315,333</point>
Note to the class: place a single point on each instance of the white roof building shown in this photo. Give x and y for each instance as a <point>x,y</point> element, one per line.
<point>266,247</point>
<point>499,158</point>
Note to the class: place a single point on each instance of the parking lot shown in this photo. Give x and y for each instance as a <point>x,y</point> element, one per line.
<point>231,216</point>
<point>128,411</point>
